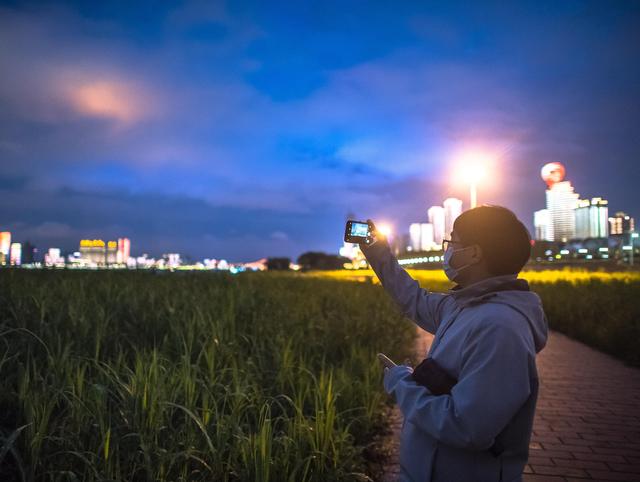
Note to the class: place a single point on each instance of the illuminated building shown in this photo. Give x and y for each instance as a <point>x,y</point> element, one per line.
<point>621,223</point>
<point>172,260</point>
<point>93,250</point>
<point>426,237</point>
<point>421,236</point>
<point>5,246</point>
<point>53,258</point>
<point>591,218</point>
<point>145,262</point>
<point>16,254</point>
<point>259,265</point>
<point>436,218</point>
<point>561,202</point>
<point>124,250</point>
<point>452,209</point>
<point>542,225</point>
<point>112,252</point>
<point>414,236</point>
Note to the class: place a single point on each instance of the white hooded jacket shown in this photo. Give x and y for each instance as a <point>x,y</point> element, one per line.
<point>488,341</point>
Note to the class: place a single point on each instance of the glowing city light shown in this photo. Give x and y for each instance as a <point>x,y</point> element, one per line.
<point>472,169</point>
<point>384,229</point>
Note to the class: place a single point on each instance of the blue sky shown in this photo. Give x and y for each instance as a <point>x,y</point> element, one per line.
<point>247,129</point>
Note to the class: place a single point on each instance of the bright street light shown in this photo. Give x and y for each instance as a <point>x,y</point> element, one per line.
<point>384,229</point>
<point>474,174</point>
<point>472,170</point>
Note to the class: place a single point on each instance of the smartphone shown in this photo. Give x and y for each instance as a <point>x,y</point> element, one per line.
<point>386,361</point>
<point>358,232</point>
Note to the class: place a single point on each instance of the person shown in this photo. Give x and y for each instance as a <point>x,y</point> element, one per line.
<point>488,329</point>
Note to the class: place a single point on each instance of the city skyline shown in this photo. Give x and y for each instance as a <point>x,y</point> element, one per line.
<point>595,222</point>
<point>566,219</point>
<point>224,130</point>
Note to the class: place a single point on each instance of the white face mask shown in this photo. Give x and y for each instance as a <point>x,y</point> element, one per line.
<point>451,272</point>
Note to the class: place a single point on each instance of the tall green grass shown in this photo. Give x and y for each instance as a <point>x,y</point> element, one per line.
<point>603,314</point>
<point>190,376</point>
<point>601,309</point>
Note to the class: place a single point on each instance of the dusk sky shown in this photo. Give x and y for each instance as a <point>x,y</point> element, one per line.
<point>247,129</point>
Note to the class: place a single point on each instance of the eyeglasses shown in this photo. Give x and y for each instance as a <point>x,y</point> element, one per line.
<point>447,242</point>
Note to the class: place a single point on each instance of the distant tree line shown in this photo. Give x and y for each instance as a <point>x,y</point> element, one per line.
<point>309,261</point>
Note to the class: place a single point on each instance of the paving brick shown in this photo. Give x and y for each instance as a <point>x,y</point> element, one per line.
<point>610,475</point>
<point>575,441</point>
<point>632,468</point>
<point>580,464</point>
<point>541,478</point>
<point>562,454</point>
<point>599,457</point>
<point>541,460</point>
<point>545,439</point>
<point>615,451</point>
<point>563,471</point>
<point>566,447</point>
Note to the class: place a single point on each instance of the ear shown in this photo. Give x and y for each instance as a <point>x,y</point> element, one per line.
<point>477,254</point>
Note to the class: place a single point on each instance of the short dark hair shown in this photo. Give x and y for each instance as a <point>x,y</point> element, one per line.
<point>505,241</point>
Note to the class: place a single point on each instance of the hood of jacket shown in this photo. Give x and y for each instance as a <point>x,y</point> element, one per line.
<point>512,291</point>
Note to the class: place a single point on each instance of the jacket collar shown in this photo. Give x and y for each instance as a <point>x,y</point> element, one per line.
<point>488,285</point>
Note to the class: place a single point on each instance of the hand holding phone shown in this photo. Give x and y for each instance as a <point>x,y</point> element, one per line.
<point>386,361</point>
<point>361,232</point>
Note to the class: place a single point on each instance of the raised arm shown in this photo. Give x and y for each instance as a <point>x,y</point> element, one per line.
<point>418,304</point>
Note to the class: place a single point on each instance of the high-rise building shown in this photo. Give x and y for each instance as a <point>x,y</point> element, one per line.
<point>16,254</point>
<point>93,250</point>
<point>415,233</point>
<point>53,258</point>
<point>621,223</point>
<point>5,247</point>
<point>561,202</point>
<point>591,218</point>
<point>452,209</point>
<point>124,250</point>
<point>421,236</point>
<point>112,252</point>
<point>543,226</point>
<point>436,218</point>
<point>426,237</point>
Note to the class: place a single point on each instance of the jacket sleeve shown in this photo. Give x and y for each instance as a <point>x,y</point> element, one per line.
<point>418,304</point>
<point>492,386</point>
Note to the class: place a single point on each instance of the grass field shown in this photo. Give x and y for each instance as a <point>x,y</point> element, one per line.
<point>207,376</point>
<point>599,308</point>
<point>190,376</point>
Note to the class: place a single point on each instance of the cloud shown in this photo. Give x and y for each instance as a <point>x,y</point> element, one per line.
<point>49,230</point>
<point>279,236</point>
<point>109,99</point>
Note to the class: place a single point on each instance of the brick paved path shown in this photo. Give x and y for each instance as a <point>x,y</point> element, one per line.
<point>587,424</point>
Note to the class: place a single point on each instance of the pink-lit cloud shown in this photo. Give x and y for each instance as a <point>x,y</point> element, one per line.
<point>108,99</point>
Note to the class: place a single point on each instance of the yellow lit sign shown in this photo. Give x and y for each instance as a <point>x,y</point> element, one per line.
<point>91,243</point>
